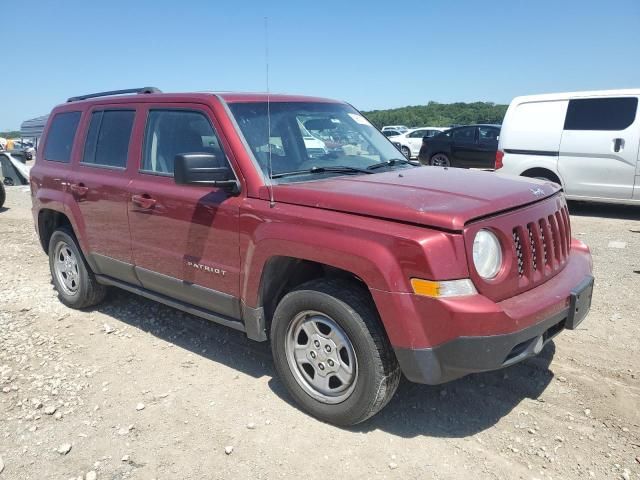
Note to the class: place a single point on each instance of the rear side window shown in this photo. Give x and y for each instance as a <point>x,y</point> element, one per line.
<point>171,132</point>
<point>108,138</point>
<point>464,135</point>
<point>488,135</point>
<point>60,138</point>
<point>601,113</point>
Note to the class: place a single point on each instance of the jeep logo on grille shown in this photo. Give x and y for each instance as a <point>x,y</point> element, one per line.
<point>538,192</point>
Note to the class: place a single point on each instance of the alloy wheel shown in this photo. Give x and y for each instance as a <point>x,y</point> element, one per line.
<point>66,268</point>
<point>321,357</point>
<point>440,160</point>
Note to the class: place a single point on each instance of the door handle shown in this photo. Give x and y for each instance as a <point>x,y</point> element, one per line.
<point>618,144</point>
<point>143,201</point>
<point>79,189</point>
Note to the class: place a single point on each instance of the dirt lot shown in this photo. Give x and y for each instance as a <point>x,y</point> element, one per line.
<point>133,389</point>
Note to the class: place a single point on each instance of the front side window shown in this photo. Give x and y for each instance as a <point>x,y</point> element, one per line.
<point>311,136</point>
<point>418,134</point>
<point>62,133</point>
<point>108,138</point>
<point>173,132</point>
<point>612,114</point>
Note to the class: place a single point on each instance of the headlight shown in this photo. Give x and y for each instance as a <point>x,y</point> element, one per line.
<point>487,254</point>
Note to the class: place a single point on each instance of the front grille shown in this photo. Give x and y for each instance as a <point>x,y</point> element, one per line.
<point>533,247</point>
<point>542,246</point>
<point>519,255</point>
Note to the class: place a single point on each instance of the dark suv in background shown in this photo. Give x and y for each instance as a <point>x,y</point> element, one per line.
<point>470,146</point>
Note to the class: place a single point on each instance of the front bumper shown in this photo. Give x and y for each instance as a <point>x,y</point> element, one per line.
<point>438,340</point>
<point>465,355</point>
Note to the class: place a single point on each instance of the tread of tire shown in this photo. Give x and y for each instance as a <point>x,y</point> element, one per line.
<point>357,300</point>
<point>95,291</point>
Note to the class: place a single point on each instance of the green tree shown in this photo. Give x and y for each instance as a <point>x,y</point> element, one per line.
<point>436,114</point>
<point>10,134</point>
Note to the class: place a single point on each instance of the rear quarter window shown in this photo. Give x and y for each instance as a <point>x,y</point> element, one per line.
<point>60,137</point>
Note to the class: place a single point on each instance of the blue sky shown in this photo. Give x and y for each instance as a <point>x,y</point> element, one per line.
<point>372,54</point>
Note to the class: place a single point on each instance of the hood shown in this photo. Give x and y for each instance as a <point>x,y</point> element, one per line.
<point>444,198</point>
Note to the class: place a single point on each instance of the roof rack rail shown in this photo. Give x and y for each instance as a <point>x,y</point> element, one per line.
<point>115,92</point>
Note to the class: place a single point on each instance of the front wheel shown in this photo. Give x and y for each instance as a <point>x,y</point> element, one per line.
<point>406,152</point>
<point>440,160</point>
<point>332,353</point>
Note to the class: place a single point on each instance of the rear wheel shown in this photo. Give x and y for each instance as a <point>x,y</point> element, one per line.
<point>73,279</point>
<point>332,353</point>
<point>3,195</point>
<point>440,160</point>
<point>406,152</point>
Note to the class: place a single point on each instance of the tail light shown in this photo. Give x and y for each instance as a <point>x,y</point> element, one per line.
<point>499,157</point>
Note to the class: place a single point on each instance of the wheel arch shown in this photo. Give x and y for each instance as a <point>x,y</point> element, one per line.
<point>49,221</point>
<point>281,274</point>
<point>537,172</point>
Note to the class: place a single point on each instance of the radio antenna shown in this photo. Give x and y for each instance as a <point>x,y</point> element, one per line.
<point>266,58</point>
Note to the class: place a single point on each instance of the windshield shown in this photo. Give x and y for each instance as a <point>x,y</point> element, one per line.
<point>311,136</point>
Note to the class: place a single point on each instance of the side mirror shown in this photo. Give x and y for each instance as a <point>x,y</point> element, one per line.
<point>203,169</point>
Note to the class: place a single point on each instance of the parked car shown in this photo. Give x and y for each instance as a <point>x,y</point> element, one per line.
<point>13,168</point>
<point>410,142</point>
<point>585,141</point>
<point>357,266</point>
<point>391,133</point>
<point>398,128</point>
<point>471,146</point>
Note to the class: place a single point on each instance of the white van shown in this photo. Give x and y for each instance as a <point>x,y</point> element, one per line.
<point>586,141</point>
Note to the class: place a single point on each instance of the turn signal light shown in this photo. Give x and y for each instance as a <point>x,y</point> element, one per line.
<point>447,288</point>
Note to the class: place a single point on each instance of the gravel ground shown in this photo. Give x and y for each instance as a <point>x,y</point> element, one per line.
<point>134,389</point>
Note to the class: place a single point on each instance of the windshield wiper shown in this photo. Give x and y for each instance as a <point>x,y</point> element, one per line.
<point>390,163</point>
<point>328,169</point>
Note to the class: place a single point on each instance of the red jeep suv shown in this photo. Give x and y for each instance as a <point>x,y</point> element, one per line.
<point>294,220</point>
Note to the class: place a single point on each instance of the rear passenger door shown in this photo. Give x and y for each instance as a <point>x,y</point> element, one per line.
<point>99,183</point>
<point>185,237</point>
<point>487,147</point>
<point>414,139</point>
<point>599,147</point>
<point>463,147</point>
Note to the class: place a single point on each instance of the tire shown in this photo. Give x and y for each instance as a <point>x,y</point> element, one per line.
<point>406,152</point>
<point>3,195</point>
<point>73,279</point>
<point>339,314</point>
<point>439,160</point>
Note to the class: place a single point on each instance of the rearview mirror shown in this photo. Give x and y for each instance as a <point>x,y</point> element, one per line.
<point>203,169</point>
<point>320,124</point>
